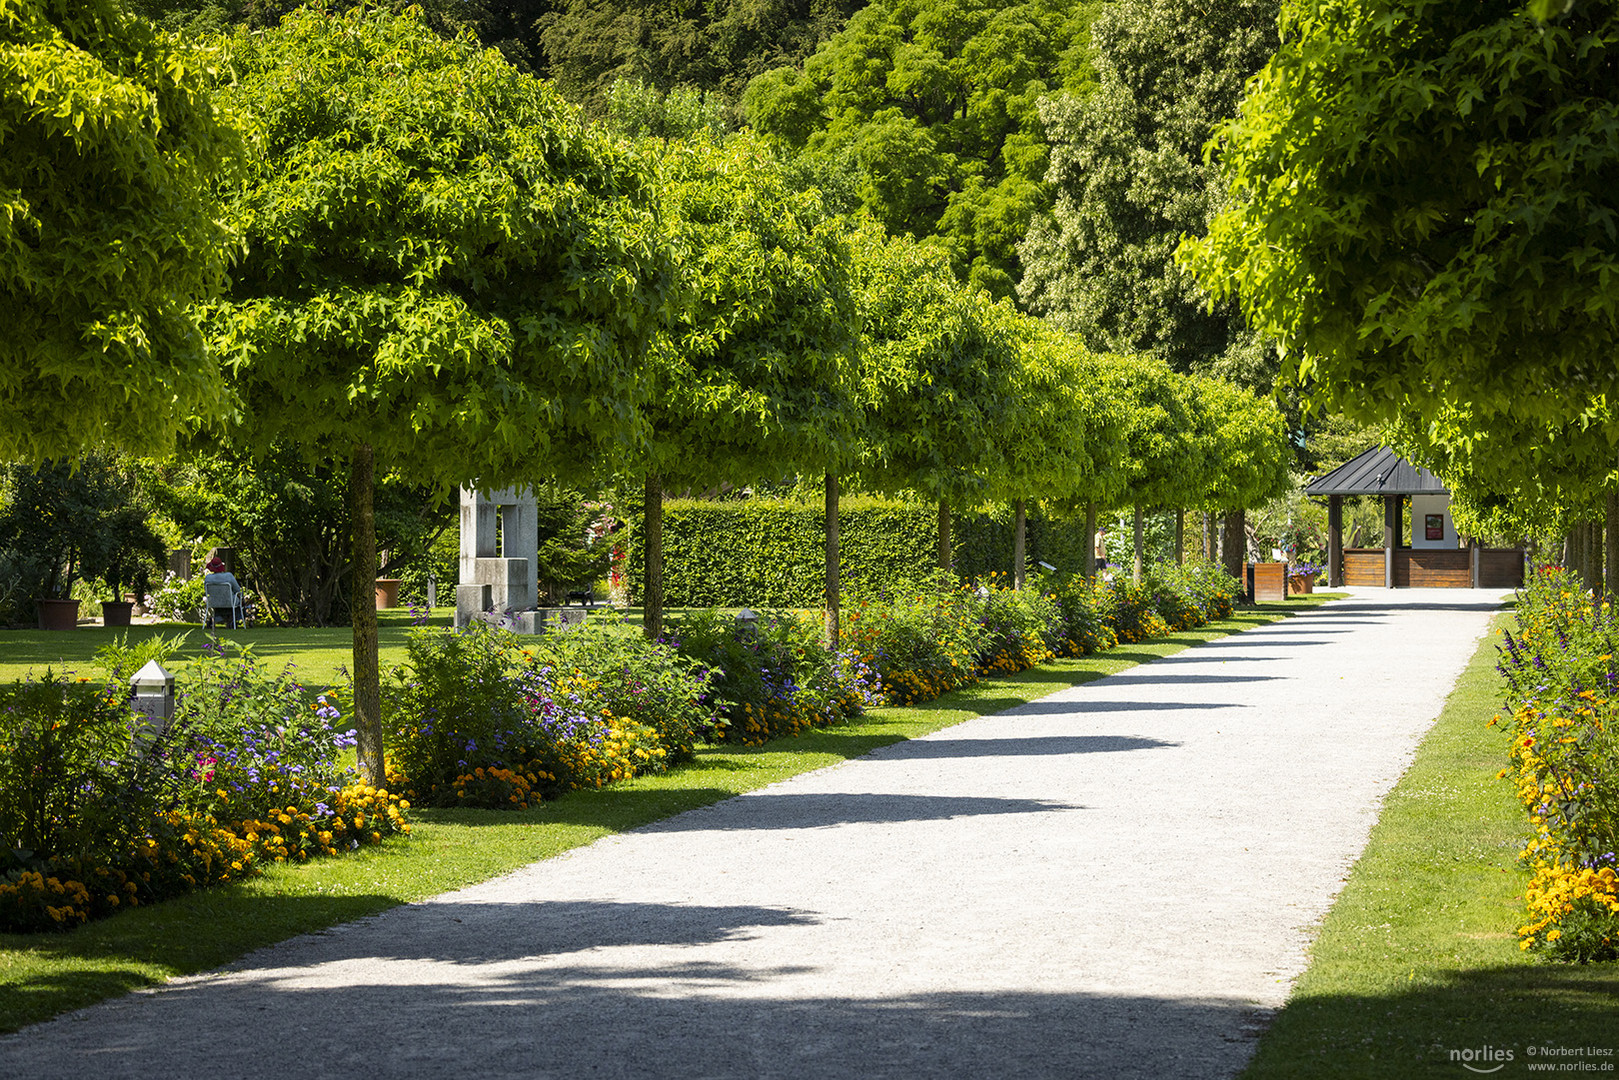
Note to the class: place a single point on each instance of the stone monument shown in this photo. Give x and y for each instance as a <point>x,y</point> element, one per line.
<point>500,548</point>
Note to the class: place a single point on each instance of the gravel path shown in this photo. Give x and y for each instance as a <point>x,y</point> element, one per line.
<point>1118,880</point>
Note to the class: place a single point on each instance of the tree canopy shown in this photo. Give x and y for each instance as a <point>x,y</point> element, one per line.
<point>1421,207</point>
<point>590,44</point>
<point>1248,446</point>
<point>930,105</point>
<point>439,260</point>
<point>753,381</point>
<point>1167,456</point>
<point>108,229</point>
<point>939,367</point>
<point>1129,180</point>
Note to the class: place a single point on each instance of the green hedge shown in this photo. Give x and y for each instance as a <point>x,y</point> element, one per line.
<point>770,553</point>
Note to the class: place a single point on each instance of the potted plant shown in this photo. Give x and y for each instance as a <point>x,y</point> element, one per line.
<point>128,548</point>
<point>65,522</point>
<point>1301,578</point>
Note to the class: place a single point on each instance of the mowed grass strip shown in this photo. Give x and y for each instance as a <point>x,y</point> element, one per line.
<point>1419,955</point>
<point>42,976</point>
<point>321,653</point>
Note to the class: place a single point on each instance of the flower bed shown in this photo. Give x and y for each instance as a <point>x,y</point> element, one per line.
<point>773,676</point>
<point>480,717</point>
<point>921,640</point>
<point>98,812</point>
<point>1561,685</point>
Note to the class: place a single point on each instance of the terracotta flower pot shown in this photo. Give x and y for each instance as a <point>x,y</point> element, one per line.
<point>116,612</point>
<point>387,592</point>
<point>58,614</point>
<point>1298,584</point>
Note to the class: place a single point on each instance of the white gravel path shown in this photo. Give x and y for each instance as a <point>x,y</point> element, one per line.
<point>1119,880</point>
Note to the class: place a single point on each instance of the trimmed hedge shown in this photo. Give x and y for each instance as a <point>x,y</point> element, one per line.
<point>769,553</point>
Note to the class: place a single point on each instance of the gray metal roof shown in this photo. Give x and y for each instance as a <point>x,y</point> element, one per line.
<point>1378,471</point>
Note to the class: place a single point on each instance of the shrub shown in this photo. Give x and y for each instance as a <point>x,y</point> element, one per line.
<point>1022,627</point>
<point>649,683</point>
<point>1173,596</point>
<point>104,812</point>
<point>772,678</point>
<point>1561,682</point>
<point>768,553</point>
<point>1135,611</point>
<point>177,599</point>
<point>1216,591</point>
<point>922,640</point>
<point>453,707</point>
<point>120,658</point>
<point>1087,608</point>
<point>476,719</point>
<point>72,782</point>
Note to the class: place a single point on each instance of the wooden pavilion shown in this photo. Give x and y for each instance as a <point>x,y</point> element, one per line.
<point>1434,557</point>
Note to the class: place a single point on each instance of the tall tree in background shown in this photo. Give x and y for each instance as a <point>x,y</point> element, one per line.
<point>1422,209</point>
<point>1129,180</point>
<point>929,105</point>
<point>588,45</point>
<point>108,229</point>
<point>462,293</point>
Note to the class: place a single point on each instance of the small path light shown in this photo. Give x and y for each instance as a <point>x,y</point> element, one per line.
<point>152,695</point>
<point>747,622</point>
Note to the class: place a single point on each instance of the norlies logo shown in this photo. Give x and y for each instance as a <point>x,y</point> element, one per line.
<point>1475,1060</point>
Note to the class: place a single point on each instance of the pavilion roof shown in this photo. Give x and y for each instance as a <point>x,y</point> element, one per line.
<point>1379,471</point>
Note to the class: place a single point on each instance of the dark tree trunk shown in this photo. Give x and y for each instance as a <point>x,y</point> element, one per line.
<point>1590,549</point>
<point>363,608</point>
<point>1019,530</point>
<point>1140,544</point>
<point>1234,544</point>
<point>832,566</point>
<point>1090,540</point>
<point>652,579</point>
<point>1180,537</point>
<point>1610,561</point>
<point>945,561</point>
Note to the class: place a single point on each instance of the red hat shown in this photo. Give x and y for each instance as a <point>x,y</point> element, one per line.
<point>215,566</point>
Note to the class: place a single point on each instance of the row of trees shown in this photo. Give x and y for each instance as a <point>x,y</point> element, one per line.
<point>439,271</point>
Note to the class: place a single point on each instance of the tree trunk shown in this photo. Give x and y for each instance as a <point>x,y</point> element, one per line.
<point>832,569</point>
<point>652,575</point>
<point>1234,544</point>
<point>945,561</point>
<point>1090,540</point>
<point>1140,545</point>
<point>1180,537</point>
<point>1019,525</point>
<point>363,610</point>
<point>1591,551</point>
<point>1610,562</point>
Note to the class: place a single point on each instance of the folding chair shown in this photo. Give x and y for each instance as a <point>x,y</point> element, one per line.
<point>220,597</point>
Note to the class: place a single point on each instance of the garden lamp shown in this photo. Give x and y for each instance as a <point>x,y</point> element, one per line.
<point>152,695</point>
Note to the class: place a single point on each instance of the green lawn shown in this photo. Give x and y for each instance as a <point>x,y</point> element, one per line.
<point>43,976</point>
<point>1419,955</point>
<point>319,652</point>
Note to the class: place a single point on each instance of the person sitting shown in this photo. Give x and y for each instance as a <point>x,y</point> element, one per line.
<point>217,575</point>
